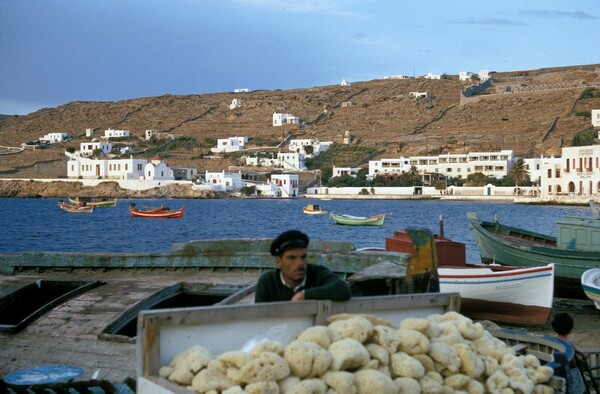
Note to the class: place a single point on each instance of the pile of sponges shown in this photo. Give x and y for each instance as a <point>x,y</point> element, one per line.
<point>356,354</point>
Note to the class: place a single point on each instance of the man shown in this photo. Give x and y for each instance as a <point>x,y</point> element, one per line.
<point>295,279</point>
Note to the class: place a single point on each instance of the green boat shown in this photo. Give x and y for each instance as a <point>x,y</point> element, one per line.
<point>575,250</point>
<point>350,220</point>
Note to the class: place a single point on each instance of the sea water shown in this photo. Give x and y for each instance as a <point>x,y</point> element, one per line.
<point>38,225</point>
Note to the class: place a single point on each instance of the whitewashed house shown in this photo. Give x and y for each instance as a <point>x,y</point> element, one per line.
<point>185,173</point>
<point>465,76</point>
<point>418,95</point>
<point>280,119</point>
<point>345,83</point>
<point>596,117</point>
<point>287,185</point>
<point>242,90</point>
<point>53,138</point>
<point>82,167</point>
<point>537,167</point>
<point>157,169</point>
<point>89,132</point>
<point>397,76</point>
<point>484,75</point>
<point>150,134</point>
<point>291,161</point>
<point>300,145</point>
<point>343,171</point>
<point>110,133</point>
<point>224,181</point>
<point>432,76</point>
<point>86,149</point>
<point>231,144</point>
<point>388,167</point>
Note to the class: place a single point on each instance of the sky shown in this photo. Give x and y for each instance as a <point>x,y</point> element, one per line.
<point>53,52</point>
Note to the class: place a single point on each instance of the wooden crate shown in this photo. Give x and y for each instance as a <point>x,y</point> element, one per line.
<point>164,333</point>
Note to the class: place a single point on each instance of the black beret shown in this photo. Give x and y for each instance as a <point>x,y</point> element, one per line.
<point>291,239</point>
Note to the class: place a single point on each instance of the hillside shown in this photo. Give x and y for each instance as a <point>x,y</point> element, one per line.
<point>533,113</point>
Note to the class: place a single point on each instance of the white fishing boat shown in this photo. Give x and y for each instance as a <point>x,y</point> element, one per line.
<point>590,282</point>
<point>521,295</point>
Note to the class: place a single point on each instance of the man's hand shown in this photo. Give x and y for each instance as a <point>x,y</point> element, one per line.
<point>299,296</point>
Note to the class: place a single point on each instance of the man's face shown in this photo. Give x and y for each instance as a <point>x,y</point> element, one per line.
<point>292,264</point>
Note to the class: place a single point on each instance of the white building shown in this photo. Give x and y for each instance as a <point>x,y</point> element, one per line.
<point>185,173</point>
<point>287,185</point>
<point>231,144</point>
<point>432,76</point>
<point>150,134</point>
<point>53,138</point>
<point>281,119</point>
<point>578,172</point>
<point>397,76</point>
<point>299,146</point>
<point>242,90</point>
<point>493,164</point>
<point>235,103</point>
<point>418,95</point>
<point>157,169</point>
<point>388,166</point>
<point>110,133</point>
<point>224,181</point>
<point>484,75</point>
<point>291,161</point>
<point>343,171</point>
<point>345,83</point>
<point>82,167</point>
<point>537,167</point>
<point>465,76</point>
<point>596,117</point>
<point>87,148</point>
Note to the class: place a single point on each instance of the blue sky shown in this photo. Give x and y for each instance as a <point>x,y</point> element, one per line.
<point>53,52</point>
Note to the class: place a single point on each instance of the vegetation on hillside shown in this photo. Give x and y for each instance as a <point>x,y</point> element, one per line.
<point>585,138</point>
<point>339,156</point>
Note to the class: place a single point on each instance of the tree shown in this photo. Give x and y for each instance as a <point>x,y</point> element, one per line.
<point>477,179</point>
<point>520,173</point>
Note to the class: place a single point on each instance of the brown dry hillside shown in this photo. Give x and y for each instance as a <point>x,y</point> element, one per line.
<point>532,112</point>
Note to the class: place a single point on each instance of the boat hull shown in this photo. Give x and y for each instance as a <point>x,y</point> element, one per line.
<point>590,282</point>
<point>510,295</point>
<point>96,204</point>
<point>349,220</point>
<point>75,208</point>
<point>511,246</point>
<point>165,214</point>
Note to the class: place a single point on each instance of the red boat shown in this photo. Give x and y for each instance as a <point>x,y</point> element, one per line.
<point>160,212</point>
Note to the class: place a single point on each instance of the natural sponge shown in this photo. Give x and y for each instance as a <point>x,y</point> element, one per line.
<point>307,359</point>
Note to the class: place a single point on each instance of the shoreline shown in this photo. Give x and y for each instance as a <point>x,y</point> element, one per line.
<point>108,188</point>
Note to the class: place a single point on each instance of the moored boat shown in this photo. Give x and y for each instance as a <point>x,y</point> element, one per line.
<point>160,212</point>
<point>590,282</point>
<point>573,251</point>
<point>102,203</point>
<point>75,208</point>
<point>313,209</point>
<point>350,220</point>
<point>504,294</point>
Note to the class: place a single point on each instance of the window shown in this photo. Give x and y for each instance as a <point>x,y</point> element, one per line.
<point>549,173</point>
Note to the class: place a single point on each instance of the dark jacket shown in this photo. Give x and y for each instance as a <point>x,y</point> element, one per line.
<point>321,284</point>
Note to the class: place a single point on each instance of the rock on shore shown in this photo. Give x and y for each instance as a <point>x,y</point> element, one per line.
<point>108,189</point>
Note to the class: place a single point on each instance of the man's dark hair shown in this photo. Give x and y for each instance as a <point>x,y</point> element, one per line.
<point>563,323</point>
